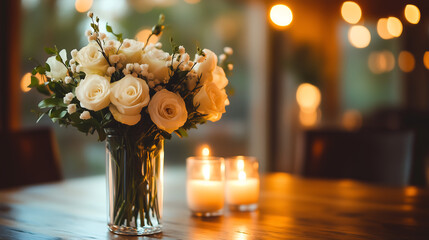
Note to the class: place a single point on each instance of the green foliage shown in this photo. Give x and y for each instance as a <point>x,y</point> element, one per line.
<point>117,35</point>
<point>102,121</point>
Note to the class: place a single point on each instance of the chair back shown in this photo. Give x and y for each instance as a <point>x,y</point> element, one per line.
<point>382,157</point>
<point>28,157</point>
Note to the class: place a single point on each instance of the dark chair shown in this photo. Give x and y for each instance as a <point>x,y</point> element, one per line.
<point>382,157</point>
<point>28,157</point>
<point>407,119</point>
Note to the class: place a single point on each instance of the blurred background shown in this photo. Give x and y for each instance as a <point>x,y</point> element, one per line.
<point>301,67</point>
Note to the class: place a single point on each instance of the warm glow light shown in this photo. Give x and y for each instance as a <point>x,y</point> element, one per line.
<point>242,176</point>
<point>411,191</point>
<point>308,119</point>
<point>406,61</point>
<point>352,119</point>
<point>83,5</point>
<point>382,29</point>
<point>351,12</point>
<point>359,36</point>
<point>308,97</point>
<point>240,165</point>
<point>206,172</point>
<point>394,26</point>
<point>206,151</point>
<point>380,62</point>
<point>143,34</point>
<point>281,15</point>
<point>412,14</point>
<point>26,80</point>
<point>192,1</point>
<point>426,59</point>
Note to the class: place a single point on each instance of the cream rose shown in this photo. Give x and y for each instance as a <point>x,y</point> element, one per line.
<point>206,68</point>
<point>219,78</point>
<point>91,60</point>
<point>129,95</point>
<point>167,110</point>
<point>132,50</point>
<point>211,101</point>
<point>156,59</point>
<point>58,70</point>
<point>93,92</point>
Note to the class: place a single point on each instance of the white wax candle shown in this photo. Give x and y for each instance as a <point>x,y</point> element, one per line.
<point>205,195</point>
<point>242,192</point>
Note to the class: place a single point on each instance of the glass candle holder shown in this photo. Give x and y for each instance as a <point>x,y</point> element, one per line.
<point>242,183</point>
<point>205,185</point>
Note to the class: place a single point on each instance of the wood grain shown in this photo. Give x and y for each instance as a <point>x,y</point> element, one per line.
<point>290,208</point>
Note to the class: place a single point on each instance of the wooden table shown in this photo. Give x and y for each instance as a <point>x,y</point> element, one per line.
<point>290,208</point>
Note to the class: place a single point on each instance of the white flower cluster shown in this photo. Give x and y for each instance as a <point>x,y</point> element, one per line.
<point>129,77</point>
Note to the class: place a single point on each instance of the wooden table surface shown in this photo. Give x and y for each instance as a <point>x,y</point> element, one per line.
<point>290,208</point>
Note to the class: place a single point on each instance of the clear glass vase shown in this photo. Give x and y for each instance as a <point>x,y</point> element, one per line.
<point>134,174</point>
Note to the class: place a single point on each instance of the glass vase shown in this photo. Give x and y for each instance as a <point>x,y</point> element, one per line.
<point>134,175</point>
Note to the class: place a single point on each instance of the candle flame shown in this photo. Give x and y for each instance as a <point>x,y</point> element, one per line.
<point>206,172</point>
<point>206,151</point>
<point>242,176</point>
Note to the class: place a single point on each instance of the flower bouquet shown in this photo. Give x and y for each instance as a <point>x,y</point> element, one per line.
<point>135,95</point>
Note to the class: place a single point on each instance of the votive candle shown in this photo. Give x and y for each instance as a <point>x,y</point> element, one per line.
<point>205,185</point>
<point>242,183</point>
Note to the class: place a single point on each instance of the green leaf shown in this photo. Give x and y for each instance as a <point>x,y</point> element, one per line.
<point>57,113</point>
<point>34,82</point>
<point>52,102</point>
<point>43,90</point>
<point>109,28</point>
<point>181,132</point>
<point>40,117</point>
<point>117,35</point>
<point>50,51</point>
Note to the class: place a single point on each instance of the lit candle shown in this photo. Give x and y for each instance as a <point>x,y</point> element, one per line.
<point>242,184</point>
<point>205,185</point>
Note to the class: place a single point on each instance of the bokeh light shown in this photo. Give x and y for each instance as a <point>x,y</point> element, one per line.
<point>281,15</point>
<point>351,12</point>
<point>394,26</point>
<point>382,29</point>
<point>406,61</point>
<point>380,62</point>
<point>412,14</point>
<point>411,191</point>
<point>26,80</point>
<point>359,36</point>
<point>143,34</point>
<point>192,1</point>
<point>352,120</point>
<point>308,119</point>
<point>83,5</point>
<point>426,59</point>
<point>308,97</point>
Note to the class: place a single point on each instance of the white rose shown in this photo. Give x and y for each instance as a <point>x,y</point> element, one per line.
<point>71,108</point>
<point>211,101</point>
<point>91,60</point>
<point>93,92</point>
<point>132,50</point>
<point>85,115</point>
<point>68,98</point>
<point>219,78</point>
<point>167,110</point>
<point>156,59</point>
<point>129,95</point>
<point>207,66</point>
<point>58,70</point>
